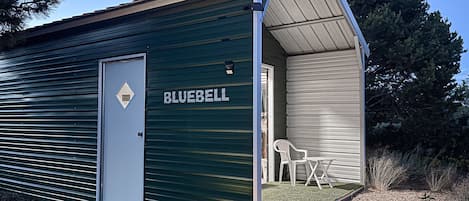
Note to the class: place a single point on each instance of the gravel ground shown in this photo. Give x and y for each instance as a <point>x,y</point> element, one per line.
<point>398,195</point>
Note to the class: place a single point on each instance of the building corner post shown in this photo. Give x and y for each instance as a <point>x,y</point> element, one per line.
<point>257,65</point>
<point>361,53</point>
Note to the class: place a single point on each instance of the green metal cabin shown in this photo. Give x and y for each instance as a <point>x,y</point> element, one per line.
<point>180,99</point>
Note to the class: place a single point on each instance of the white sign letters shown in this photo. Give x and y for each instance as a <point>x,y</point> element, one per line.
<point>196,96</point>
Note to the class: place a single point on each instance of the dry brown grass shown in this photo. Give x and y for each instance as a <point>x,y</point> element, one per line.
<point>385,170</point>
<point>440,177</point>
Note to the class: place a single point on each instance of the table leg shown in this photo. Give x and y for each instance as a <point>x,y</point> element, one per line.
<point>316,177</point>
<point>325,176</point>
<point>313,172</point>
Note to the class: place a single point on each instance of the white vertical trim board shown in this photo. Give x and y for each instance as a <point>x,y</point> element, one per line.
<point>99,154</point>
<point>324,110</point>
<point>271,121</point>
<point>257,105</point>
<point>361,66</point>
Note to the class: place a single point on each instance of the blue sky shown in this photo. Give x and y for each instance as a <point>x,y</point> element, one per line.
<point>70,8</point>
<point>454,10</point>
<point>457,13</point>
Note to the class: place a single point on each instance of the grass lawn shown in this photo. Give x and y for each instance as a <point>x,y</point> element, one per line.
<point>285,192</point>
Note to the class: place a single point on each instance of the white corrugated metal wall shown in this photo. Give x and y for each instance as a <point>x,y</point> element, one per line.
<point>324,111</point>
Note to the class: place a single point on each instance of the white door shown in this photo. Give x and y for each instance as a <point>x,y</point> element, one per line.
<point>267,123</point>
<point>123,126</point>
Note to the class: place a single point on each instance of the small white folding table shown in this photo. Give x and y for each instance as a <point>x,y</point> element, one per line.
<point>324,164</point>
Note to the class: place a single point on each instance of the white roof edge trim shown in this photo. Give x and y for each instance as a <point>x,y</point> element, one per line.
<point>266,6</point>
<point>353,22</point>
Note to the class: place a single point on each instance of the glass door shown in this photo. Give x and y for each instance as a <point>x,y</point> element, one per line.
<point>267,124</point>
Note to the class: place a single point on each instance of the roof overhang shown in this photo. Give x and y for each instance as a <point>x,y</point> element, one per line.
<point>312,26</point>
<point>356,28</point>
<point>301,26</point>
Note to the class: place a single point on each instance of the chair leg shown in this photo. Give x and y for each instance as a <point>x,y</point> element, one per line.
<point>294,174</point>
<point>290,170</point>
<point>280,174</point>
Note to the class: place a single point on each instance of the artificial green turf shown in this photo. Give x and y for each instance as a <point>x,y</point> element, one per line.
<point>285,192</point>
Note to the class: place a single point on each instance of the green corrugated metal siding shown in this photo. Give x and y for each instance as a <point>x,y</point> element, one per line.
<point>48,105</point>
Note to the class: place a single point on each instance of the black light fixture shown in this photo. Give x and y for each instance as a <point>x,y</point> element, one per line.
<point>229,67</point>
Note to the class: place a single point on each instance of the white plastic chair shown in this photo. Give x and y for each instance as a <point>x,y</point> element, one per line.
<point>283,147</point>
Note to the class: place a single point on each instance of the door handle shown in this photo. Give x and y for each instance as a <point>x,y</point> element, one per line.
<point>140,134</point>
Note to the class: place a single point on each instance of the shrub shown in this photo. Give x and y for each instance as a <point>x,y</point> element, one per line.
<point>439,177</point>
<point>414,162</point>
<point>461,190</point>
<point>385,170</point>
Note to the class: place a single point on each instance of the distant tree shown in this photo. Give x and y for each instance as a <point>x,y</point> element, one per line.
<point>466,92</point>
<point>460,151</point>
<point>411,94</point>
<point>14,14</point>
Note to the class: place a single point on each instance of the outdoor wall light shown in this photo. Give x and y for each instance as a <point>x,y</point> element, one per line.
<point>229,67</point>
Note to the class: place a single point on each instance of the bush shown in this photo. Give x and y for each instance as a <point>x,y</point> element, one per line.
<point>461,190</point>
<point>439,177</point>
<point>414,162</point>
<point>385,170</point>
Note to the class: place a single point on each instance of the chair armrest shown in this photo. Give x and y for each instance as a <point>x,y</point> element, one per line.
<point>280,151</point>
<point>277,150</point>
<point>304,151</point>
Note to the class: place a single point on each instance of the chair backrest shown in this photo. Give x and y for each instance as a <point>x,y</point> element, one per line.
<point>283,148</point>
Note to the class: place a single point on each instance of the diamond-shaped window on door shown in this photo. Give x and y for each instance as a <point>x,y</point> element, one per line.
<point>125,95</point>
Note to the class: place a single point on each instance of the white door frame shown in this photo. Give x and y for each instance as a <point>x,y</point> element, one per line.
<point>271,134</point>
<point>99,155</point>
